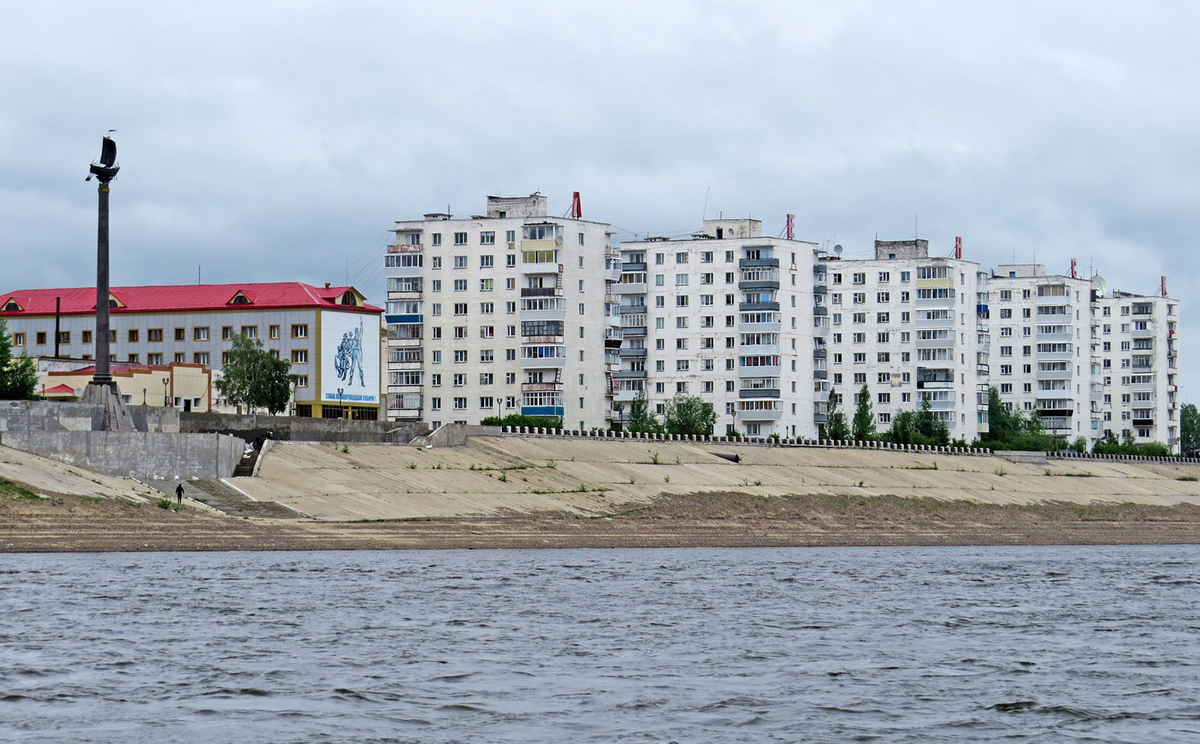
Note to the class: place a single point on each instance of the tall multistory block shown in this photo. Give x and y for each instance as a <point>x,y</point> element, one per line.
<point>509,312</point>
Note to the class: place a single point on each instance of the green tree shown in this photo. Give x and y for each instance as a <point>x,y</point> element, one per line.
<point>640,418</point>
<point>864,418</point>
<point>929,426</point>
<point>18,377</point>
<point>1189,430</point>
<point>253,377</point>
<point>689,415</point>
<point>836,426</point>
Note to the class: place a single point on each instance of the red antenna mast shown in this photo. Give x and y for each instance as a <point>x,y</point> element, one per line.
<point>576,209</point>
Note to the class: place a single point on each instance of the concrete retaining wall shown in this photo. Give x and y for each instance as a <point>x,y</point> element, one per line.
<point>143,455</point>
<point>250,427</point>
<point>18,416</point>
<point>455,435</point>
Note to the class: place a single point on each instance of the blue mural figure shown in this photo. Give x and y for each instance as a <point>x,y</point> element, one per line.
<point>349,357</point>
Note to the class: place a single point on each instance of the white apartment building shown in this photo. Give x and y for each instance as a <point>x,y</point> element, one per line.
<point>1043,346</point>
<point>1135,340</point>
<point>1088,360</point>
<point>728,316</point>
<point>501,313</point>
<point>912,328</point>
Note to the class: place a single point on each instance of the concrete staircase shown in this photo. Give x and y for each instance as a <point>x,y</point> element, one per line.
<point>224,498</point>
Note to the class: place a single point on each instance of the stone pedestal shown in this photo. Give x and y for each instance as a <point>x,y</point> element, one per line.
<point>116,413</point>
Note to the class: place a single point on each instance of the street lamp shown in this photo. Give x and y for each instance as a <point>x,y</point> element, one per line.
<point>341,405</point>
<point>166,398</point>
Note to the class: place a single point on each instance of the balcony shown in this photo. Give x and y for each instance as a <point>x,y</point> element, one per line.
<point>758,284</point>
<point>633,266</point>
<point>629,374</point>
<point>633,331</point>
<point>542,340</point>
<point>633,353</point>
<point>820,353</point>
<point>752,306</point>
<point>631,309</point>
<point>405,248</point>
<point>549,362</point>
<point>630,288</point>
<point>758,263</point>
<point>554,411</point>
<point>820,374</point>
<point>541,387</point>
<point>541,292</point>
<point>760,415</point>
<point>540,268</point>
<point>759,393</point>
<point>819,310</point>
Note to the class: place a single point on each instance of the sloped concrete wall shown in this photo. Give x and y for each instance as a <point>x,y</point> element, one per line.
<point>145,455</point>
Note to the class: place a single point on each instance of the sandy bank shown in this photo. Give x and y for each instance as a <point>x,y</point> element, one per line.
<point>489,476</point>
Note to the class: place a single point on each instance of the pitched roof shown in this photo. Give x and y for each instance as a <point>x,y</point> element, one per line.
<point>184,297</point>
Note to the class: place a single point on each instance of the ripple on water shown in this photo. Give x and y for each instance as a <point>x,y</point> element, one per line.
<point>891,645</point>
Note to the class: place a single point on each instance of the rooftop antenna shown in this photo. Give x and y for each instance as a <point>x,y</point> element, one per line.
<point>838,249</point>
<point>704,216</point>
<point>916,225</point>
<point>1100,284</point>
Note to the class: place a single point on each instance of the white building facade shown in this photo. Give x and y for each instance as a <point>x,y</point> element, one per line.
<point>730,317</point>
<point>510,312</point>
<point>1090,361</point>
<point>912,328</point>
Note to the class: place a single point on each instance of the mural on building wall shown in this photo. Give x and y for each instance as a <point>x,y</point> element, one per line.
<point>350,355</point>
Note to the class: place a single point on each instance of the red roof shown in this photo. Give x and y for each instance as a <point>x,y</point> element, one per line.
<point>61,389</point>
<point>184,297</point>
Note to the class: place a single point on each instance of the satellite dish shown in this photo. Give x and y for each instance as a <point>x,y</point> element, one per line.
<point>838,249</point>
<point>1100,284</point>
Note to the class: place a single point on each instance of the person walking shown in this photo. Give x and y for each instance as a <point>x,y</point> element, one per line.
<point>179,494</point>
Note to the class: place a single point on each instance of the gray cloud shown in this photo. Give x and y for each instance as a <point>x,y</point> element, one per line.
<point>280,140</point>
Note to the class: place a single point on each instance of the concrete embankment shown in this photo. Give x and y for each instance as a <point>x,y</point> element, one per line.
<point>499,475</point>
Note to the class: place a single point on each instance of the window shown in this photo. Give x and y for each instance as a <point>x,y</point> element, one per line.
<point>510,260</point>
<point>460,285</point>
<point>200,334</point>
<point>19,339</point>
<point>460,356</point>
<point>299,356</point>
<point>860,278</point>
<point>200,357</point>
<point>460,380</point>
<point>248,331</point>
<point>487,237</point>
<point>181,334</point>
<point>460,238</point>
<point>154,360</point>
<point>226,333</point>
<point>299,330</point>
<point>133,336</point>
<point>485,285</point>
<point>273,332</point>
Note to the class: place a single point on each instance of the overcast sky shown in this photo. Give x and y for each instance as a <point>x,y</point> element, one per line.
<point>280,141</point>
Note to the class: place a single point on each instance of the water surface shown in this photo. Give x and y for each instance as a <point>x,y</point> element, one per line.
<point>693,645</point>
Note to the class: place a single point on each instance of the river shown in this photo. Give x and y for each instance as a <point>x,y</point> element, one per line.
<point>1024,644</point>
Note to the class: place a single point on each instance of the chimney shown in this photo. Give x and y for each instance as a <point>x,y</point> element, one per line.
<point>326,285</point>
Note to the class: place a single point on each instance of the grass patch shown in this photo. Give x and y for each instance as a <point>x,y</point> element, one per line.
<point>16,490</point>
<point>1187,478</point>
<point>1072,475</point>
